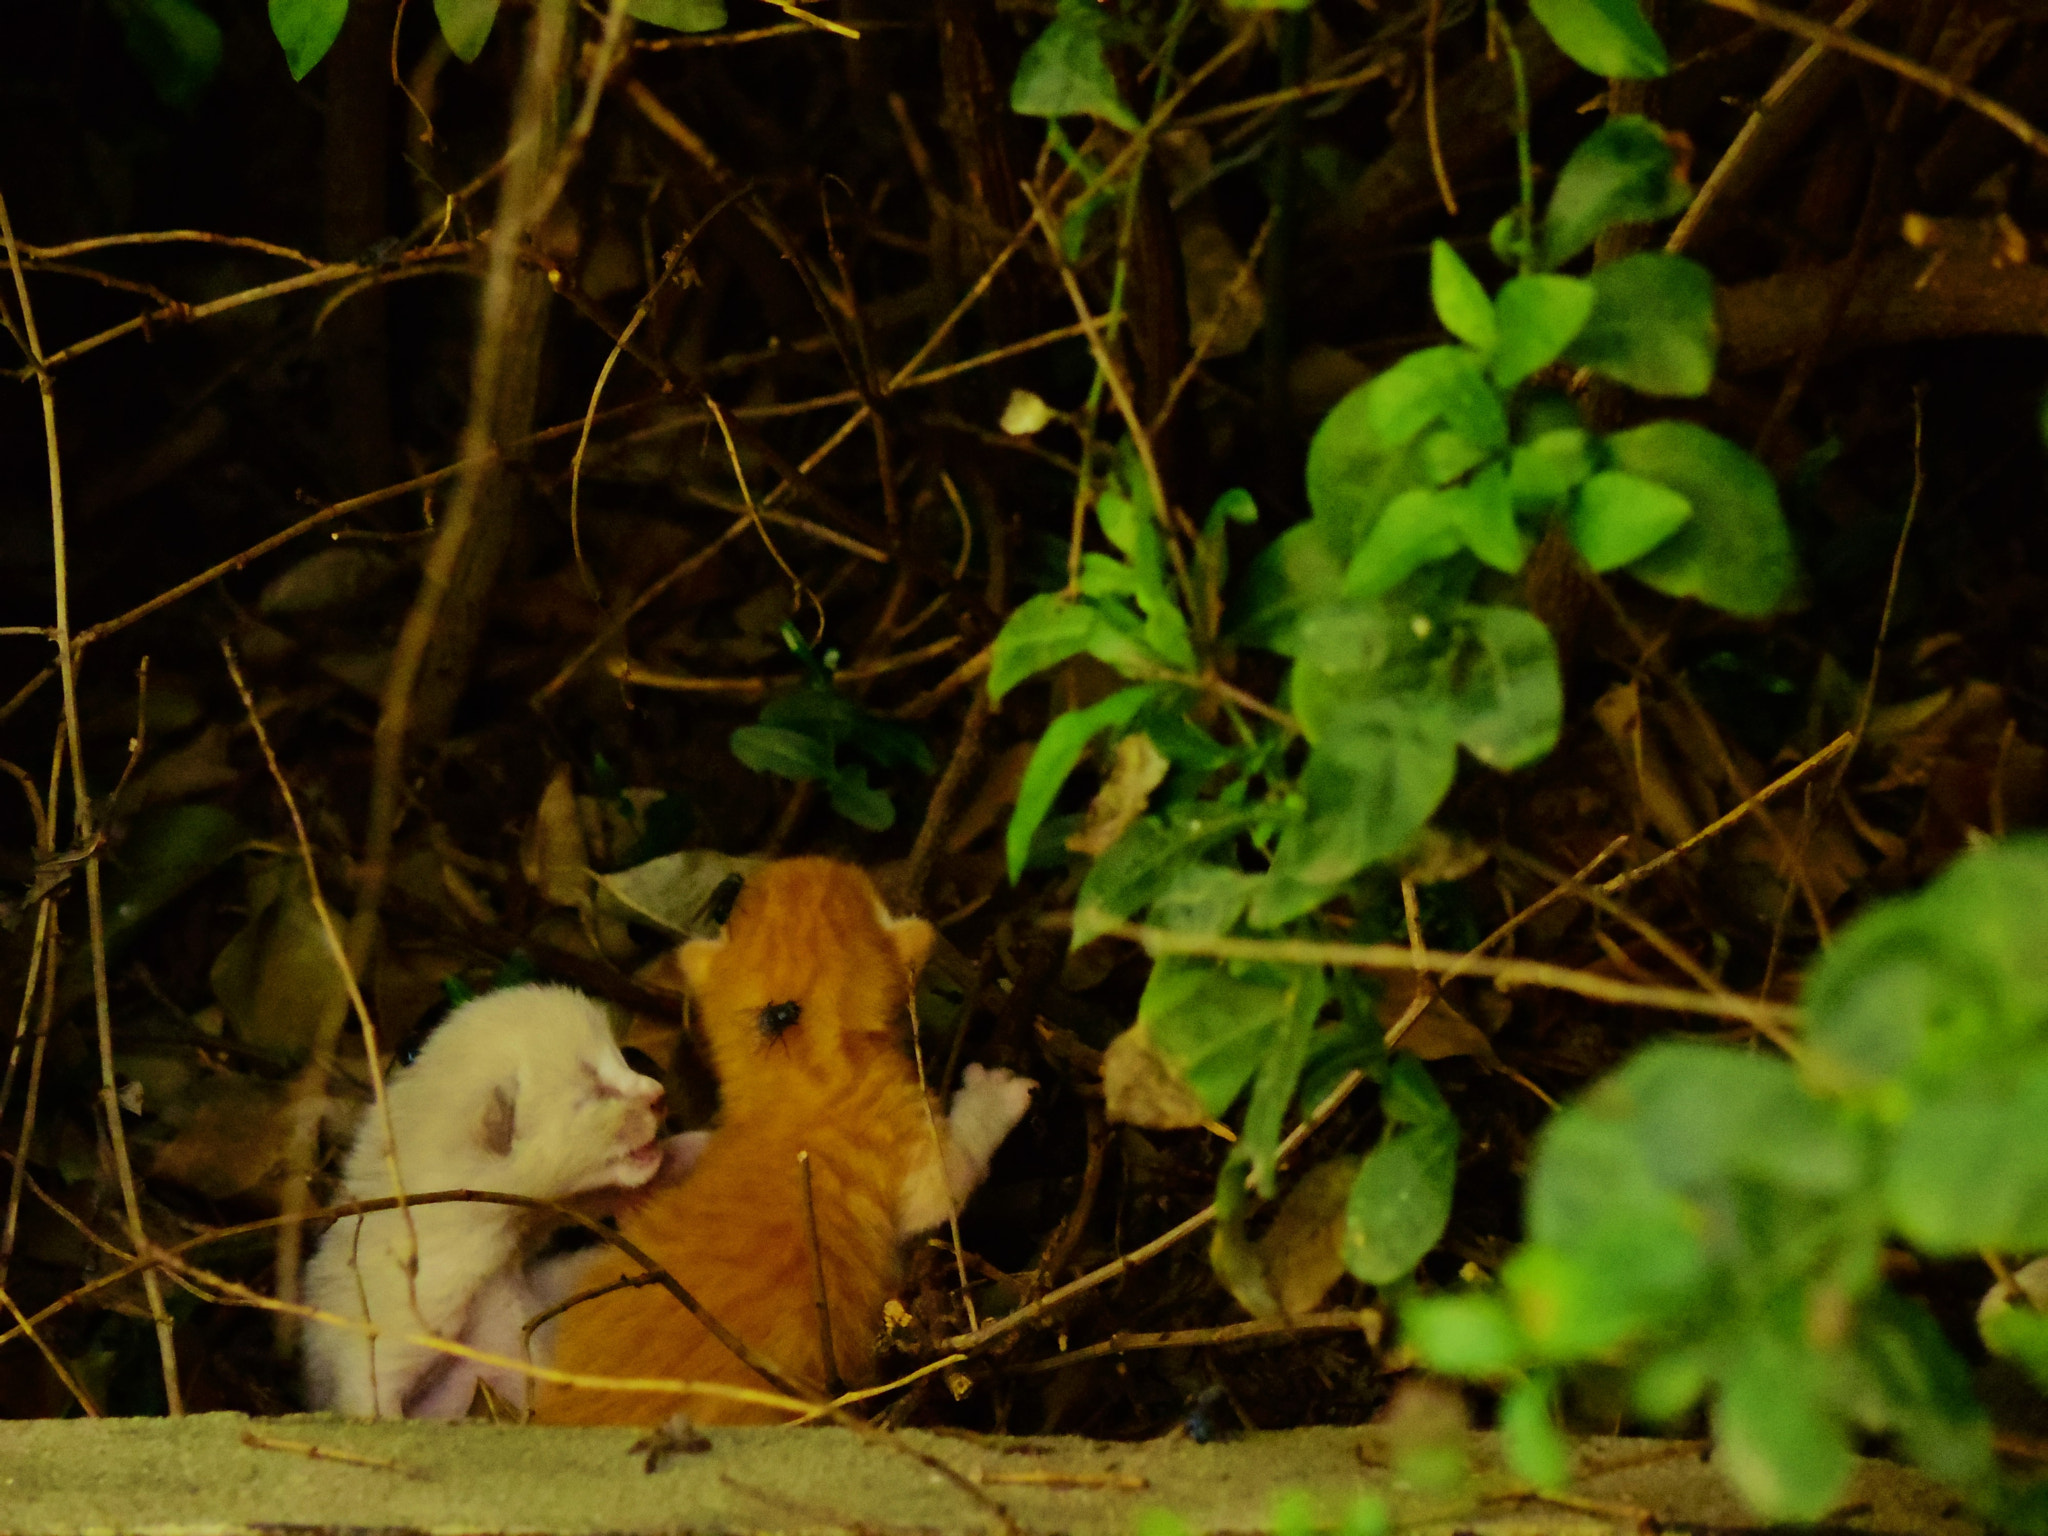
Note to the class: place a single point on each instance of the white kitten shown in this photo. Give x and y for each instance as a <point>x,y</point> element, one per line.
<point>522,1091</point>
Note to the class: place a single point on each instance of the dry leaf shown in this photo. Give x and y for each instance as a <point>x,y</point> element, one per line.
<point>1303,1248</point>
<point>1225,303</point>
<point>196,768</point>
<point>672,893</point>
<point>553,855</point>
<point>336,577</point>
<point>1439,1031</point>
<point>1137,771</point>
<point>233,1143</point>
<point>1140,1086</point>
<point>277,977</point>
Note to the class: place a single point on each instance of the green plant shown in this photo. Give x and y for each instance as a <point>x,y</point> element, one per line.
<point>1427,486</point>
<point>1711,1221</point>
<point>806,733</point>
<point>306,29</point>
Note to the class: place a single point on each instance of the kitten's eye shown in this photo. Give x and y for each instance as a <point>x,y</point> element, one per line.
<point>641,1062</point>
<point>777,1019</point>
<point>722,898</point>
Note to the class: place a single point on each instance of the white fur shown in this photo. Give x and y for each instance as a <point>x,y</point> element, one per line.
<point>988,1105</point>
<point>524,1092</point>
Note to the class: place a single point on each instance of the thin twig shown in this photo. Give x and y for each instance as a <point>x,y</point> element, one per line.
<point>312,1083</point>
<point>931,1120</point>
<point>54,1360</point>
<point>82,816</point>
<point>1507,973</point>
<point>833,1385</point>
<point>1277,1330</point>
<point>1720,824</point>
<point>1906,69</point>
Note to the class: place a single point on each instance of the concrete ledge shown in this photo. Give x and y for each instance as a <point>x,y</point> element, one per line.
<point>226,1475</point>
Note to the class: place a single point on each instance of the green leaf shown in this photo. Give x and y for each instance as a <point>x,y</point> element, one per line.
<point>1484,513</point>
<point>1119,518</point>
<point>1617,518</point>
<point>306,29</point>
<point>1547,468</point>
<point>679,15</point>
<point>1539,317</point>
<point>1352,474</point>
<point>467,25</point>
<point>1735,552</point>
<point>1401,1198</point>
<point>176,44</point>
<point>1295,574</point>
<point>1911,1383</point>
<point>858,801</point>
<point>1622,173</point>
<point>1203,898</point>
<point>1970,1170</point>
<point>1608,37</point>
<point>1461,301</point>
<point>789,754</point>
<point>168,849</point>
<point>1507,697</point>
<point>1653,325</point>
<point>1369,788</point>
<point>1782,1445</point>
<point>1065,71</point>
<point>1946,986</point>
<point>1436,384</point>
<point>1279,1073</point>
<point>1054,758</point>
<point>1213,1024</point>
<point>1534,1446</point>
<point>2019,1333</point>
<point>1134,870</point>
<point>1470,1334</point>
<point>1417,527</point>
<point>1043,632</point>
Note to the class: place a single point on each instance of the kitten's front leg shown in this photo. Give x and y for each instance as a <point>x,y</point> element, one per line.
<point>990,1102</point>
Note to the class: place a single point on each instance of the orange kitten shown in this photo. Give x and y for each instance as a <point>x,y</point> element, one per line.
<point>801,1000</point>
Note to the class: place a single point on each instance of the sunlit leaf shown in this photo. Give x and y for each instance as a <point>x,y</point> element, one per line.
<point>1540,315</point>
<point>1608,37</point>
<point>1461,301</point>
<point>1735,552</point>
<point>306,29</point>
<point>467,25</point>
<point>679,15</point>
<point>1617,518</point>
<point>1652,326</point>
<point>1059,750</point>
<point>1065,72</point>
<point>1623,172</point>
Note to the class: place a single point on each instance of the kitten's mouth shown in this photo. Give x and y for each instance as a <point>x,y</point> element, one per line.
<point>647,1158</point>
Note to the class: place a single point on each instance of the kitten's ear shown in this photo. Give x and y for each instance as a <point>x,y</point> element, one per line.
<point>913,938</point>
<point>499,1123</point>
<point>695,959</point>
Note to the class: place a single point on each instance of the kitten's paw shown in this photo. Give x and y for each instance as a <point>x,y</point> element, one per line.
<point>990,1102</point>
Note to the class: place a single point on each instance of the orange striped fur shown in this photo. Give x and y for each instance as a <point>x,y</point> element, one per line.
<point>838,1083</point>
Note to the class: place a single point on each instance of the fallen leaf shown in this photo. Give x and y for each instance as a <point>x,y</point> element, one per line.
<point>1303,1248</point>
<point>1137,769</point>
<point>1140,1087</point>
<point>277,977</point>
<point>1439,1031</point>
<point>234,1142</point>
<point>336,577</point>
<point>1225,302</point>
<point>199,766</point>
<point>553,855</point>
<point>672,893</point>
